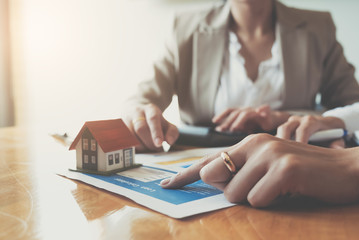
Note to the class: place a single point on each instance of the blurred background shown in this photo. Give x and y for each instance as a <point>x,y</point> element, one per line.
<point>64,62</point>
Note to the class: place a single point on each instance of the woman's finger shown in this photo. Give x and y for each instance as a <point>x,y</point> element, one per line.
<point>143,132</point>
<point>153,118</point>
<point>220,117</point>
<point>188,175</point>
<point>287,129</point>
<point>240,123</point>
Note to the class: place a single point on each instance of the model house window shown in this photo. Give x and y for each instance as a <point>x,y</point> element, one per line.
<point>86,158</point>
<point>93,159</point>
<point>128,155</point>
<point>117,158</point>
<point>110,159</point>
<point>85,142</point>
<point>93,145</point>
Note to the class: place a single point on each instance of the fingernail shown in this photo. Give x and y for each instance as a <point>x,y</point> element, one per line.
<point>158,142</point>
<point>164,182</point>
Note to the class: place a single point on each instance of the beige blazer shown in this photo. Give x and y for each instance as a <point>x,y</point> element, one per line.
<point>312,59</point>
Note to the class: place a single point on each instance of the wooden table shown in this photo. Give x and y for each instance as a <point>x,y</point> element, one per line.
<point>35,203</point>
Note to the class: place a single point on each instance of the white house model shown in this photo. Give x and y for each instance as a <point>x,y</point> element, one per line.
<point>104,147</point>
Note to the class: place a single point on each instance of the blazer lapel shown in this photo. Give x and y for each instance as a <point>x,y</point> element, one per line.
<point>209,44</point>
<point>208,64</point>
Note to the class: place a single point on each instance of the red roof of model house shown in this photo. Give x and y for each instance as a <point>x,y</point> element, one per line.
<point>111,135</point>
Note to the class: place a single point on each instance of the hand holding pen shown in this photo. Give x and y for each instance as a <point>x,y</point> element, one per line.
<point>313,129</point>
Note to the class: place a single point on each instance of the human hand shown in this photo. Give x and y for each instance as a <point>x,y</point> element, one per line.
<point>249,120</point>
<point>302,127</point>
<point>269,167</point>
<point>151,128</point>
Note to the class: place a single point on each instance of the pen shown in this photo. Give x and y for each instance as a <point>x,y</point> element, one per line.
<point>165,146</point>
<point>356,137</point>
<point>327,135</point>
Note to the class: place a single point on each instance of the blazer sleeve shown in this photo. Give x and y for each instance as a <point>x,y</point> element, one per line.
<point>339,86</point>
<point>158,87</point>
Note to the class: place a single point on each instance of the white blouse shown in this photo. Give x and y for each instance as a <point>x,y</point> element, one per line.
<point>236,89</point>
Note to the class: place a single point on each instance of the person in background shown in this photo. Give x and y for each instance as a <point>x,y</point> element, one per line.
<point>244,65</point>
<point>262,168</point>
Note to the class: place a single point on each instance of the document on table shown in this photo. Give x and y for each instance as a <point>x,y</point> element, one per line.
<point>142,184</point>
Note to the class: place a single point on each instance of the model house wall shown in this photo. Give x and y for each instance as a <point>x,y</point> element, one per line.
<point>120,159</point>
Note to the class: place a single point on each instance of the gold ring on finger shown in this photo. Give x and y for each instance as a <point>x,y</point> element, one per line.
<point>228,162</point>
<point>139,119</point>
